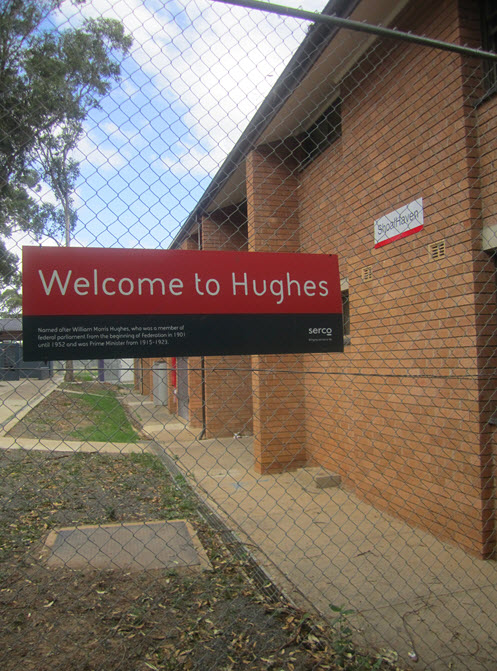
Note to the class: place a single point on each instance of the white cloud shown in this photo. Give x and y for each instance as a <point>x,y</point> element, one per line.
<point>193,162</point>
<point>100,155</point>
<point>229,50</point>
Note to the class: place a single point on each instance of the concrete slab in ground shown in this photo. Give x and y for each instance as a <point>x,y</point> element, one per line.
<point>134,546</point>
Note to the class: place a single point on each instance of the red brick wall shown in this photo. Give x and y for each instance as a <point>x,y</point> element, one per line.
<point>146,366</point>
<point>487,143</point>
<point>399,413</point>
<point>277,382</point>
<point>228,395</point>
<point>195,401</point>
<point>487,126</point>
<point>272,201</point>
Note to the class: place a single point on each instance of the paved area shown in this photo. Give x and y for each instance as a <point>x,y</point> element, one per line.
<point>415,598</point>
<point>422,601</point>
<point>8,443</point>
<point>18,397</point>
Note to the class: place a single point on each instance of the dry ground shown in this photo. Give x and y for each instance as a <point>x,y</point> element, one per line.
<point>134,621</point>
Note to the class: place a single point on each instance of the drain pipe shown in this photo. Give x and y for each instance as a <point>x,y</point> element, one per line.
<point>202,384</point>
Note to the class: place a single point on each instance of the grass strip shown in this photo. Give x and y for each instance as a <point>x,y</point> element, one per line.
<point>109,421</point>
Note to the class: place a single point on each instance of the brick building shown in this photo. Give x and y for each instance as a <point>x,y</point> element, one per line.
<point>357,128</point>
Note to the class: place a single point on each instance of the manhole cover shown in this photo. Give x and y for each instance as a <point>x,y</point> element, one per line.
<point>133,546</point>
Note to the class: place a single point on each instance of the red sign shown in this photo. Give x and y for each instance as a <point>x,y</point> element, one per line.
<point>106,303</point>
<point>82,281</point>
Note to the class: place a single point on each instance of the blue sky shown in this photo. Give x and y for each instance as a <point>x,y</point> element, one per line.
<point>196,74</point>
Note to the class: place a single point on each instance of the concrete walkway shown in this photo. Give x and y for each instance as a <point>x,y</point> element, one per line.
<point>423,602</point>
<point>416,599</point>
<point>18,397</point>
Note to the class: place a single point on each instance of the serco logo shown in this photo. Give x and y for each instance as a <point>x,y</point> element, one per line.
<point>323,330</point>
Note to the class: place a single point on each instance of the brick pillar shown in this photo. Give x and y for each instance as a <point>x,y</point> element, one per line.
<point>146,376</point>
<point>277,380</point>
<point>227,380</point>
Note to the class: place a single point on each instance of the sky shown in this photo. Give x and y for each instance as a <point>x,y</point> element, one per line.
<point>196,74</point>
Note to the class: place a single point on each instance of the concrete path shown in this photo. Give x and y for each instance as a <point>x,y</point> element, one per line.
<point>18,397</point>
<point>423,602</point>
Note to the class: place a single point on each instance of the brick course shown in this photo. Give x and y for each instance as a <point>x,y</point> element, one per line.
<point>277,382</point>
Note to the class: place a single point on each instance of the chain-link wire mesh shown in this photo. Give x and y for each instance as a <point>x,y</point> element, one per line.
<point>310,511</point>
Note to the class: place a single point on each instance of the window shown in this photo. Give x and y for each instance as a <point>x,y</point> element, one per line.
<point>322,133</point>
<point>489,40</point>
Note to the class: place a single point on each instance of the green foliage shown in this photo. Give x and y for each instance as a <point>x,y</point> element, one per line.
<point>108,421</point>
<point>50,79</point>
<point>10,298</point>
<point>347,657</point>
<point>148,461</point>
<point>84,376</point>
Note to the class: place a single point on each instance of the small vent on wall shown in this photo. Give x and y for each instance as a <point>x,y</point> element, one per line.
<point>367,273</point>
<point>436,250</point>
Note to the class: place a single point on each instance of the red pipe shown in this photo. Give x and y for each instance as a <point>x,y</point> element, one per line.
<point>174,374</point>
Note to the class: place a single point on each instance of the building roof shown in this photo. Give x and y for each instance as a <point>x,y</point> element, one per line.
<point>10,324</point>
<point>10,328</point>
<point>299,95</point>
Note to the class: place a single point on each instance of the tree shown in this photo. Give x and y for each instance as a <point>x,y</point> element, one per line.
<point>11,302</point>
<point>60,171</point>
<point>50,79</point>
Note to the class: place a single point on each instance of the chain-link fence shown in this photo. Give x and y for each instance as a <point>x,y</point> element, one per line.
<point>294,511</point>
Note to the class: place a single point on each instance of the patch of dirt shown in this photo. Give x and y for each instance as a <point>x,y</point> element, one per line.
<point>114,620</point>
<point>61,619</point>
<point>54,418</point>
<point>130,622</point>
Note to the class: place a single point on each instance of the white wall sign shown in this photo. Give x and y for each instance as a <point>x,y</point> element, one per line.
<point>405,221</point>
